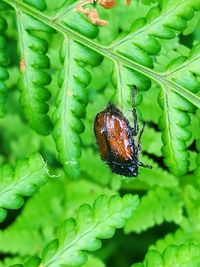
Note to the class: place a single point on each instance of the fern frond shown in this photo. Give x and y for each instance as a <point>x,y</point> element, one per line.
<point>27,177</point>
<point>59,201</point>
<point>174,120</point>
<point>39,4</point>
<point>192,128</point>
<point>3,61</point>
<point>92,165</point>
<point>84,233</point>
<point>184,70</point>
<point>24,241</point>
<point>177,238</point>
<point>142,41</point>
<point>33,262</point>
<point>189,230</point>
<point>77,21</point>
<point>179,256</point>
<point>173,124</point>
<point>150,103</point>
<point>89,192</point>
<point>170,50</point>
<point>71,103</point>
<point>33,63</point>
<point>9,261</point>
<point>150,179</point>
<point>32,235</point>
<point>151,141</point>
<point>157,206</point>
<point>192,206</point>
<point>126,78</point>
<point>93,261</point>
<point>157,176</point>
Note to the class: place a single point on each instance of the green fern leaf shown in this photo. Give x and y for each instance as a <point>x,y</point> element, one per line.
<point>70,18</point>
<point>191,199</point>
<point>71,103</point>
<point>28,176</point>
<point>189,228</point>
<point>170,50</point>
<point>151,141</point>
<point>35,233</point>
<point>89,192</point>
<point>39,4</point>
<point>3,61</point>
<point>59,201</point>
<point>150,103</point>
<point>184,255</point>
<point>9,261</point>
<point>177,238</point>
<point>126,78</point>
<point>92,165</point>
<point>174,135</point>
<point>164,24</point>
<point>93,261</point>
<point>156,177</point>
<point>33,262</point>
<point>174,120</point>
<point>33,63</point>
<point>85,233</point>
<point>157,206</point>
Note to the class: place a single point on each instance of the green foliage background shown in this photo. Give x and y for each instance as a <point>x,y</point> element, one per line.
<point>57,71</point>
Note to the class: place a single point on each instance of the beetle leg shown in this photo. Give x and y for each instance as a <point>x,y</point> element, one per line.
<point>143,165</point>
<point>135,120</point>
<point>141,133</point>
<point>138,144</point>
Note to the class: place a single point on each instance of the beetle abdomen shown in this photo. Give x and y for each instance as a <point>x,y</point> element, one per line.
<point>113,135</point>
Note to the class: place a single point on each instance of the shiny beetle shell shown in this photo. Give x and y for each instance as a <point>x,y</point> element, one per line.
<point>115,141</point>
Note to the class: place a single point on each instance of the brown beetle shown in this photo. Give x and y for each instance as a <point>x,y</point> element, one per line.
<point>116,140</point>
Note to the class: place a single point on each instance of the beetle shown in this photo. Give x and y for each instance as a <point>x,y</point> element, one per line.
<point>116,140</point>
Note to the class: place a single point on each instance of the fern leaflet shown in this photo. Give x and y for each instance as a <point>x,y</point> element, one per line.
<point>158,205</point>
<point>34,60</point>
<point>179,256</point>
<point>142,41</point>
<point>36,232</point>
<point>27,177</point>
<point>71,103</point>
<point>102,174</point>
<point>175,119</point>
<point>84,233</point>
